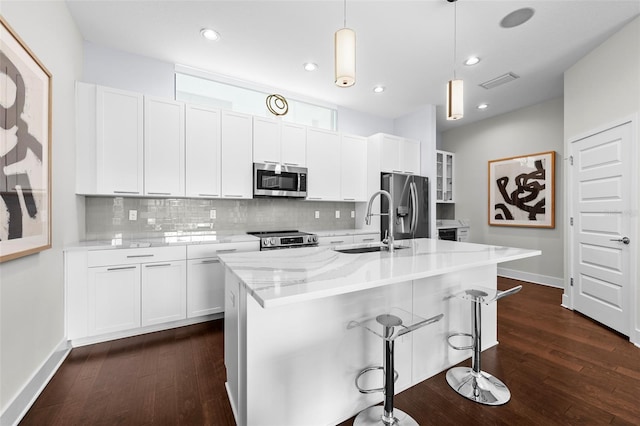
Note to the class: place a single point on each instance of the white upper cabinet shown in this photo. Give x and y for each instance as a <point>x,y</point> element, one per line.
<point>293,145</point>
<point>277,142</point>
<point>444,176</point>
<point>397,154</point>
<point>109,131</point>
<point>237,165</point>
<point>323,162</point>
<point>163,147</point>
<point>353,167</point>
<point>266,140</point>
<point>202,152</point>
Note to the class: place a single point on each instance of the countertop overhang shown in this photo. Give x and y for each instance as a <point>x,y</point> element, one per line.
<point>281,277</point>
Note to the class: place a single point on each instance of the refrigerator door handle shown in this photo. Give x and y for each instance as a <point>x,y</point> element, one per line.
<point>414,207</point>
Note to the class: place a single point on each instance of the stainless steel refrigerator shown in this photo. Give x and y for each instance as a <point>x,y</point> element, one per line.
<point>410,194</point>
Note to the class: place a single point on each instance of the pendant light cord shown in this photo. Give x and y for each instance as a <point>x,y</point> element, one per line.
<point>345,14</point>
<point>455,34</point>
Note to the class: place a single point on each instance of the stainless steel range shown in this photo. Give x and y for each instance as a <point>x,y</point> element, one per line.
<point>273,240</point>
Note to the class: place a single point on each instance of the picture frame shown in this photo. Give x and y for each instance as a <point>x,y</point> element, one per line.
<point>522,191</point>
<point>25,148</point>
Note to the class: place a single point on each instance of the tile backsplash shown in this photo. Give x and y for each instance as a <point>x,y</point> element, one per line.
<point>106,216</point>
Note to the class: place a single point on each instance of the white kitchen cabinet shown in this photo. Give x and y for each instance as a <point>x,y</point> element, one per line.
<point>397,154</point>
<point>277,142</point>
<point>366,238</point>
<point>266,140</point>
<point>293,145</point>
<point>237,164</point>
<point>444,176</point>
<point>335,240</point>
<point>109,141</point>
<point>353,168</point>
<point>205,276</point>
<point>323,162</point>
<point>164,292</point>
<point>202,152</point>
<point>113,299</point>
<point>163,147</point>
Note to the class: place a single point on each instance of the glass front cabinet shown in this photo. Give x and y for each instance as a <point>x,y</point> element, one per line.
<point>444,176</point>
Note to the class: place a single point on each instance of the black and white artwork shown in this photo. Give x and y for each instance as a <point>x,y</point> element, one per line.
<point>521,191</point>
<point>25,142</point>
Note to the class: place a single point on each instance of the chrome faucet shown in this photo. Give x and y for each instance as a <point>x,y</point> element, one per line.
<point>388,240</point>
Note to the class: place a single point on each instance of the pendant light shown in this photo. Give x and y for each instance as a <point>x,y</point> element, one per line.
<point>345,54</point>
<point>455,100</point>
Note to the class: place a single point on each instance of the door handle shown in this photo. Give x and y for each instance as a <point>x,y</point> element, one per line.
<point>624,240</point>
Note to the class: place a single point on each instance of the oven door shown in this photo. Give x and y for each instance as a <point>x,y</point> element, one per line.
<point>275,180</point>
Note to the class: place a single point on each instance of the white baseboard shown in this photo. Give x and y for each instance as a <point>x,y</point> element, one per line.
<point>16,410</point>
<point>532,278</point>
<point>90,340</point>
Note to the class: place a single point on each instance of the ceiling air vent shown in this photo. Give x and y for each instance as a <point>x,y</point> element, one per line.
<point>505,78</point>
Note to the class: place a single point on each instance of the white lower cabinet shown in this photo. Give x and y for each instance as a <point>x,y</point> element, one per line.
<point>205,287</point>
<point>113,298</point>
<point>164,292</point>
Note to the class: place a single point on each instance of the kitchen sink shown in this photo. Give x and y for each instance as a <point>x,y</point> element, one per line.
<point>366,249</point>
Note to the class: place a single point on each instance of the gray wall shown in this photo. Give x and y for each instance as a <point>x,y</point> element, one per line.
<point>603,88</point>
<point>526,131</point>
<point>31,288</point>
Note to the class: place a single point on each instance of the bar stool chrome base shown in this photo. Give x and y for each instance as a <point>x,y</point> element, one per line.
<point>479,387</point>
<point>373,416</point>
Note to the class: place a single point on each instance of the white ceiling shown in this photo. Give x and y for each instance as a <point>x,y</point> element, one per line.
<point>407,46</point>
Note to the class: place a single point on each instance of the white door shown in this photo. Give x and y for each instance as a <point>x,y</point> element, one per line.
<point>601,187</point>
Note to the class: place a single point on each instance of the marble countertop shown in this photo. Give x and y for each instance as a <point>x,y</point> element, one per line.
<point>281,277</point>
<point>171,239</point>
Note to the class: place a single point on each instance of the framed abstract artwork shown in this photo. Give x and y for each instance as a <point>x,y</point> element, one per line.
<point>25,149</point>
<point>522,191</point>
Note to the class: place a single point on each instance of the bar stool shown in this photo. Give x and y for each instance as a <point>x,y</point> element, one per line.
<point>473,383</point>
<point>393,326</point>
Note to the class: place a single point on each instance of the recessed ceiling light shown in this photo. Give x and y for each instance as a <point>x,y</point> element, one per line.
<point>310,66</point>
<point>379,89</point>
<point>482,106</point>
<point>517,17</point>
<point>209,34</point>
<point>472,60</point>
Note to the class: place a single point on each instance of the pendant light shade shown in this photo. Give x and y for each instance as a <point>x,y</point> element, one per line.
<point>345,60</point>
<point>455,100</point>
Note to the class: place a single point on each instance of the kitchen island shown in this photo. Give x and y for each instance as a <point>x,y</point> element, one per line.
<point>290,355</point>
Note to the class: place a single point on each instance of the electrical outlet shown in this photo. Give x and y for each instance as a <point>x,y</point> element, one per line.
<point>317,214</point>
<point>133,214</point>
<point>212,214</point>
<point>353,214</point>
<point>337,214</point>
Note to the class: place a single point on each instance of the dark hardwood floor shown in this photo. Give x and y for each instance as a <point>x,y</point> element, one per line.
<point>561,367</point>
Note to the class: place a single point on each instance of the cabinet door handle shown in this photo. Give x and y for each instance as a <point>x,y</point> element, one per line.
<point>368,239</point>
<point>397,171</point>
<point>121,268</point>
<point>208,195</point>
<point>336,242</point>
<point>157,265</point>
<point>270,162</point>
<point>226,251</point>
<point>126,192</point>
<point>291,164</point>
<point>233,195</point>
<point>349,199</point>
<point>159,193</point>
<point>139,255</point>
<point>209,261</point>
<point>314,198</point>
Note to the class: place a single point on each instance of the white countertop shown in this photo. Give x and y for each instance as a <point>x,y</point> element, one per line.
<point>171,239</point>
<point>281,277</point>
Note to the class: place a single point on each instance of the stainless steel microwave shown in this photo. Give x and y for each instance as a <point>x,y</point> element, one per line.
<point>278,180</point>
